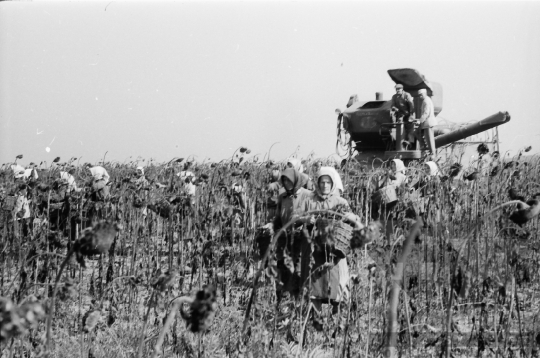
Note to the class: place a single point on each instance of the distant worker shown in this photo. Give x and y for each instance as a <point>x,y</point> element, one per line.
<point>100,179</point>
<point>403,110</point>
<point>427,120</point>
<point>68,178</point>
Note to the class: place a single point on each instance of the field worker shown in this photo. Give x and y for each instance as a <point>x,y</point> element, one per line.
<point>100,179</point>
<point>69,179</point>
<point>337,178</point>
<point>427,120</point>
<point>239,195</point>
<point>290,205</point>
<point>328,285</point>
<point>185,173</point>
<point>398,172</point>
<point>384,198</point>
<point>21,210</point>
<point>395,181</point>
<point>22,207</point>
<point>431,169</point>
<point>188,179</point>
<point>297,164</point>
<point>140,197</point>
<point>140,179</point>
<point>403,111</point>
<point>273,190</point>
<point>19,172</point>
<point>426,187</point>
<point>98,173</point>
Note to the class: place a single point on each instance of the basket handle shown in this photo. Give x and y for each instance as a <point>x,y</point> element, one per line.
<point>355,221</point>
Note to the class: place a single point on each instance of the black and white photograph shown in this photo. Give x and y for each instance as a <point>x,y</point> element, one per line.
<point>243,179</point>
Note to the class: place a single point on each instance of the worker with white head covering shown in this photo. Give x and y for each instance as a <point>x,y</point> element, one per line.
<point>140,178</point>
<point>100,179</point>
<point>426,187</point>
<point>188,178</point>
<point>385,197</point>
<point>22,207</point>
<point>296,164</point>
<point>19,172</point>
<point>69,179</point>
<point>427,120</point>
<point>431,169</point>
<point>336,178</point>
<point>98,173</point>
<point>398,168</point>
<point>332,285</point>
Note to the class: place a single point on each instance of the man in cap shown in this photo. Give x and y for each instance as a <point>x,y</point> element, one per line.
<point>403,111</point>
<point>427,120</point>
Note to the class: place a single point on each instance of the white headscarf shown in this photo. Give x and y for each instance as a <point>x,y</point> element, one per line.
<point>20,172</point>
<point>186,174</point>
<point>336,181</point>
<point>99,173</point>
<point>400,166</point>
<point>400,172</point>
<point>141,170</point>
<point>69,180</point>
<point>296,164</point>
<point>433,168</point>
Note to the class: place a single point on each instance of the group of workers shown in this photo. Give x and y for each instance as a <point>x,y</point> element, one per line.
<point>403,111</point>
<point>96,188</point>
<point>298,194</point>
<point>293,193</point>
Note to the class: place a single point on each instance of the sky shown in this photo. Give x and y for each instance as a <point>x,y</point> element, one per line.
<point>172,79</point>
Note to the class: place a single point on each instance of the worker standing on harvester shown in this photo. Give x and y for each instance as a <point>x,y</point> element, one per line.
<point>427,121</point>
<point>403,110</point>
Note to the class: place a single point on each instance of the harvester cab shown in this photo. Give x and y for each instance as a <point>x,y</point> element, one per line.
<point>371,129</point>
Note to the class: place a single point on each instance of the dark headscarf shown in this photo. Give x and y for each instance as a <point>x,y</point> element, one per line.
<point>295,177</point>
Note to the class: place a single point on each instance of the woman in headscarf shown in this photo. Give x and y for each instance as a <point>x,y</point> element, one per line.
<point>188,179</point>
<point>19,172</point>
<point>291,204</point>
<point>141,191</point>
<point>140,179</point>
<point>398,172</point>
<point>297,164</point>
<point>329,285</point>
<point>21,211</point>
<point>100,179</point>
<point>431,169</point>
<point>68,178</point>
<point>273,189</point>
<point>426,188</point>
<point>385,198</point>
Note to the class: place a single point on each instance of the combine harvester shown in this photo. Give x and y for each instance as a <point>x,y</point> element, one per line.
<point>369,128</point>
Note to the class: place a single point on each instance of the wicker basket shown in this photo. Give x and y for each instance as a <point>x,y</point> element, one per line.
<point>388,194</point>
<point>334,235</point>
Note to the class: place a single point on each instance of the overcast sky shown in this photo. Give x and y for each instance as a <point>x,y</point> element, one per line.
<point>168,79</point>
